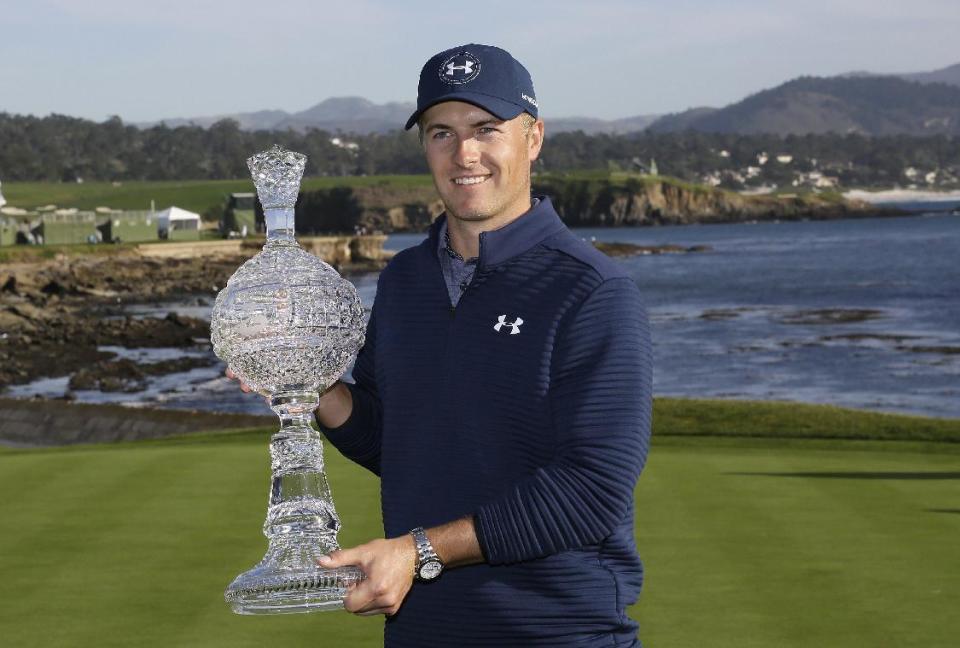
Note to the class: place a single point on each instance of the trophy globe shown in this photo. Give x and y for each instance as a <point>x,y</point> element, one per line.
<point>288,325</point>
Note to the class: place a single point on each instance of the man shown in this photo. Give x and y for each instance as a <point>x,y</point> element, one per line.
<point>503,395</point>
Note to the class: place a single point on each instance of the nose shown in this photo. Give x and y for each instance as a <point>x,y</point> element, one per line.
<point>467,152</point>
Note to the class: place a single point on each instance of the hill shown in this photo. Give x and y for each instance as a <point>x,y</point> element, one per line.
<point>343,114</point>
<point>874,106</point>
<point>593,126</point>
<point>949,75</point>
<point>362,116</point>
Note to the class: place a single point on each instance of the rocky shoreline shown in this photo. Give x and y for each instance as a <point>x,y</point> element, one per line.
<point>56,315</point>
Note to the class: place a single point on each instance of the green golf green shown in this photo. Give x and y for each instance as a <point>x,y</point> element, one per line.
<point>746,542</point>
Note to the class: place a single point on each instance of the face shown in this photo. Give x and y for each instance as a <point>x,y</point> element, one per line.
<point>480,164</point>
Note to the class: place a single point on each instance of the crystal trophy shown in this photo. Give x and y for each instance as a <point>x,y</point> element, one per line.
<point>288,325</point>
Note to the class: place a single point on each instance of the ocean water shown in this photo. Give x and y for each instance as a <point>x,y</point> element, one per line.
<point>860,313</point>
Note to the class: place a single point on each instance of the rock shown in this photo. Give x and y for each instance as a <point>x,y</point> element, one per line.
<point>629,249</point>
<point>10,285</point>
<point>831,316</point>
<point>55,288</point>
<point>125,375</point>
<point>177,319</point>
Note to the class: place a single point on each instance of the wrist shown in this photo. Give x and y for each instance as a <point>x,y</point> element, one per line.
<point>428,566</point>
<point>409,548</point>
<point>335,406</point>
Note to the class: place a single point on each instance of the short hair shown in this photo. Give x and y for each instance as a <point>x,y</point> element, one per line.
<point>527,122</point>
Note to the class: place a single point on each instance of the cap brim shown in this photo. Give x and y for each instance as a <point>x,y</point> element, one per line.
<point>494,105</point>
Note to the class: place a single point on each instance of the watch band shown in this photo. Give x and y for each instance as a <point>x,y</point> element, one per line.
<point>425,554</point>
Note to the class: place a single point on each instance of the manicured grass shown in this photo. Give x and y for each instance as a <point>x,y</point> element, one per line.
<point>194,195</point>
<point>747,542</point>
<point>760,547</point>
<point>133,544</point>
<point>780,420</point>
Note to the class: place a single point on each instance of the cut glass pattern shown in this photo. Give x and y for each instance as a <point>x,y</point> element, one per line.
<point>288,325</point>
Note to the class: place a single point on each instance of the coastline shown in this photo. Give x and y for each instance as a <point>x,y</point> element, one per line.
<point>896,194</point>
<point>112,328</point>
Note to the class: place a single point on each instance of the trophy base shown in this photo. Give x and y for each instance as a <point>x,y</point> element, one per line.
<point>264,591</point>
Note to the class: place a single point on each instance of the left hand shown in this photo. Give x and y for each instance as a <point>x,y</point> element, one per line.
<point>388,565</point>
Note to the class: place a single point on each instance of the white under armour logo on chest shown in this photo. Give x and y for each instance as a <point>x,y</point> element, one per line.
<point>514,325</point>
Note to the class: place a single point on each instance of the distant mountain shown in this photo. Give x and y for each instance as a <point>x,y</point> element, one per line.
<point>350,115</point>
<point>359,115</point>
<point>260,120</point>
<point>686,120</point>
<point>949,75</point>
<point>920,103</point>
<point>870,105</point>
<point>592,126</point>
<point>337,114</point>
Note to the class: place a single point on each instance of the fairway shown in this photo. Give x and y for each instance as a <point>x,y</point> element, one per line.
<point>745,542</point>
<point>194,195</point>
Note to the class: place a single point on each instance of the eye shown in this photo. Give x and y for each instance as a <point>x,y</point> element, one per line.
<point>438,135</point>
<point>486,130</point>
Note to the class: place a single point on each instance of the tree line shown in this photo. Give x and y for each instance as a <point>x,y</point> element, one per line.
<point>58,148</point>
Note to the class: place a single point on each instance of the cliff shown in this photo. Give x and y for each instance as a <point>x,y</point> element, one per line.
<point>665,201</point>
<point>581,202</point>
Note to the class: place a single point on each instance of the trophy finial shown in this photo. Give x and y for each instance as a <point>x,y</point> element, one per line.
<point>276,174</point>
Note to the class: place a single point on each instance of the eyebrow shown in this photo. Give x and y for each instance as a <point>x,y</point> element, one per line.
<point>478,124</point>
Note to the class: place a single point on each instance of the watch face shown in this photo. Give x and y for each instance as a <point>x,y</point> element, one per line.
<point>430,570</point>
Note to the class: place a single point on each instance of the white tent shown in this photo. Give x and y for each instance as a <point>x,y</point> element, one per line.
<point>174,218</point>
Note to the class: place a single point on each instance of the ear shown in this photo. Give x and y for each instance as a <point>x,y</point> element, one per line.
<point>535,140</point>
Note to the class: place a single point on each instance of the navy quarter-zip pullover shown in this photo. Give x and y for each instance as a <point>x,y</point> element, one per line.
<point>527,405</point>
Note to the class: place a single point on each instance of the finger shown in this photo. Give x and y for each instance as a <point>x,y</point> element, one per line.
<point>359,600</point>
<point>244,388</point>
<point>384,610</point>
<point>339,558</point>
<point>229,373</point>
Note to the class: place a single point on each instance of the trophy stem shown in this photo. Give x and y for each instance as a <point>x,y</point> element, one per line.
<point>301,523</point>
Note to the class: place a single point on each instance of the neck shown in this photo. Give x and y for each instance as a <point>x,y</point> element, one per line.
<point>280,225</point>
<point>465,234</point>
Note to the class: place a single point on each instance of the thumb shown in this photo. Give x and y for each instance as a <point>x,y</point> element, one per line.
<point>339,558</point>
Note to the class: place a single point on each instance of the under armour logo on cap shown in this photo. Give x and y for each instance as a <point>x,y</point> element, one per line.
<point>502,321</point>
<point>504,90</point>
<point>460,68</point>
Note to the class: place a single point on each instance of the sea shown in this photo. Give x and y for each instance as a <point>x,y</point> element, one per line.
<point>861,313</point>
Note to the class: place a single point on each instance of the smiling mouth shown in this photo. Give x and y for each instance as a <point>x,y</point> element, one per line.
<point>470,180</point>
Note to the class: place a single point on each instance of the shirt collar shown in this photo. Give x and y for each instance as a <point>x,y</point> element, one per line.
<point>445,247</point>
<point>516,237</point>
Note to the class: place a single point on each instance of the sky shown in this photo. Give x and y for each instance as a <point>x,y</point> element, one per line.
<point>145,61</point>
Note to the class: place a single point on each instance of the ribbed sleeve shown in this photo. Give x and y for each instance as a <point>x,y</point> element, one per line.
<point>601,404</point>
<point>359,437</point>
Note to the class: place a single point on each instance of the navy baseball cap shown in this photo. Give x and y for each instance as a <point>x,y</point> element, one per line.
<point>481,75</point>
